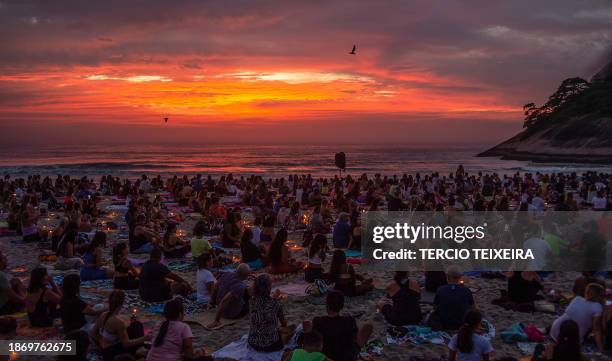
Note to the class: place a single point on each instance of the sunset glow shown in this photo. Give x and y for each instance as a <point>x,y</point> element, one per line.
<point>201,64</point>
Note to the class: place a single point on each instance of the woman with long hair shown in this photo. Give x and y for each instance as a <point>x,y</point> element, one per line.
<point>42,298</point>
<point>113,335</point>
<point>231,231</point>
<point>567,347</point>
<point>67,254</point>
<point>401,307</point>
<point>174,339</point>
<point>316,256</point>
<point>467,344</point>
<point>279,256</point>
<point>72,308</point>
<point>93,259</point>
<point>126,275</point>
<point>249,251</point>
<point>345,278</point>
<point>266,316</point>
<point>172,245</point>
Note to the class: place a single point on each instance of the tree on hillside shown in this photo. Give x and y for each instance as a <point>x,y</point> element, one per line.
<point>568,89</point>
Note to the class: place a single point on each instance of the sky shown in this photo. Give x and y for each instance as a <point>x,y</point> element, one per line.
<point>277,72</point>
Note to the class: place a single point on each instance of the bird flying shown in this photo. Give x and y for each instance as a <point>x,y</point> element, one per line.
<point>353,52</point>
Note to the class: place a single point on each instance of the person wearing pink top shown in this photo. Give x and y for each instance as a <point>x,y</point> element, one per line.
<point>174,340</point>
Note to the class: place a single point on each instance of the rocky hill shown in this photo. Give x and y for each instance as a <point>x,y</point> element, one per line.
<point>575,125</point>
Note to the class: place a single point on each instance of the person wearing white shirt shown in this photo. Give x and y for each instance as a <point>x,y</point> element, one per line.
<point>600,202</point>
<point>205,280</point>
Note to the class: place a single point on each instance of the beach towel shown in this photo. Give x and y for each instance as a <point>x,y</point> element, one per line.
<point>417,335</point>
<point>292,289</point>
<point>105,284</point>
<point>534,334</point>
<point>356,260</point>
<point>352,253</point>
<point>181,266</point>
<point>371,349</point>
<point>241,351</point>
<point>134,302</point>
<point>514,333</point>
<point>117,207</point>
<point>544,306</point>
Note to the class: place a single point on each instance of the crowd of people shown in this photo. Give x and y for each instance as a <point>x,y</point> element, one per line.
<point>327,212</point>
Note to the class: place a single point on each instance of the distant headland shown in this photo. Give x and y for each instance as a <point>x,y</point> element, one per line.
<point>573,126</point>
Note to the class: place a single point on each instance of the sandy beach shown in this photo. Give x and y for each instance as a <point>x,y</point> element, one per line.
<point>25,256</point>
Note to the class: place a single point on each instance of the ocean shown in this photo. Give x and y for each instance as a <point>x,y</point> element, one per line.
<point>269,161</point>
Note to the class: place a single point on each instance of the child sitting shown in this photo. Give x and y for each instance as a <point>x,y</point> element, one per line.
<point>312,345</point>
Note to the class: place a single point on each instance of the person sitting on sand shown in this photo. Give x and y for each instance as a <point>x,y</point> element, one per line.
<point>72,308</point>
<point>42,298</point>
<point>12,291</point>
<point>126,275</point>
<point>157,282</point>
<point>402,305</point>
<point>199,245</point>
<point>567,346</point>
<point>585,279</point>
<point>342,339</point>
<point>355,242</point>
<point>312,345</point>
<point>29,228</point>
<point>113,335</point>
<point>231,295</point>
<point>256,229</point>
<point>216,210</point>
<point>434,279</point>
<point>345,278</point>
<point>318,223</point>
<point>230,236</point>
<point>341,235</point>
<point>93,259</point>
<point>587,312</point>
<point>67,256</point>
<point>523,287</point>
<point>316,256</point>
<point>174,339</point>
<point>249,251</point>
<point>467,344</point>
<point>205,280</point>
<point>266,314</point>
<point>142,238</point>
<point>267,231</point>
<point>172,245</point>
<point>451,302</point>
<point>279,256</point>
<point>58,233</point>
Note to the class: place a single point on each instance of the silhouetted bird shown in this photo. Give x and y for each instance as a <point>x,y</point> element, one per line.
<point>166,120</point>
<point>353,52</point>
